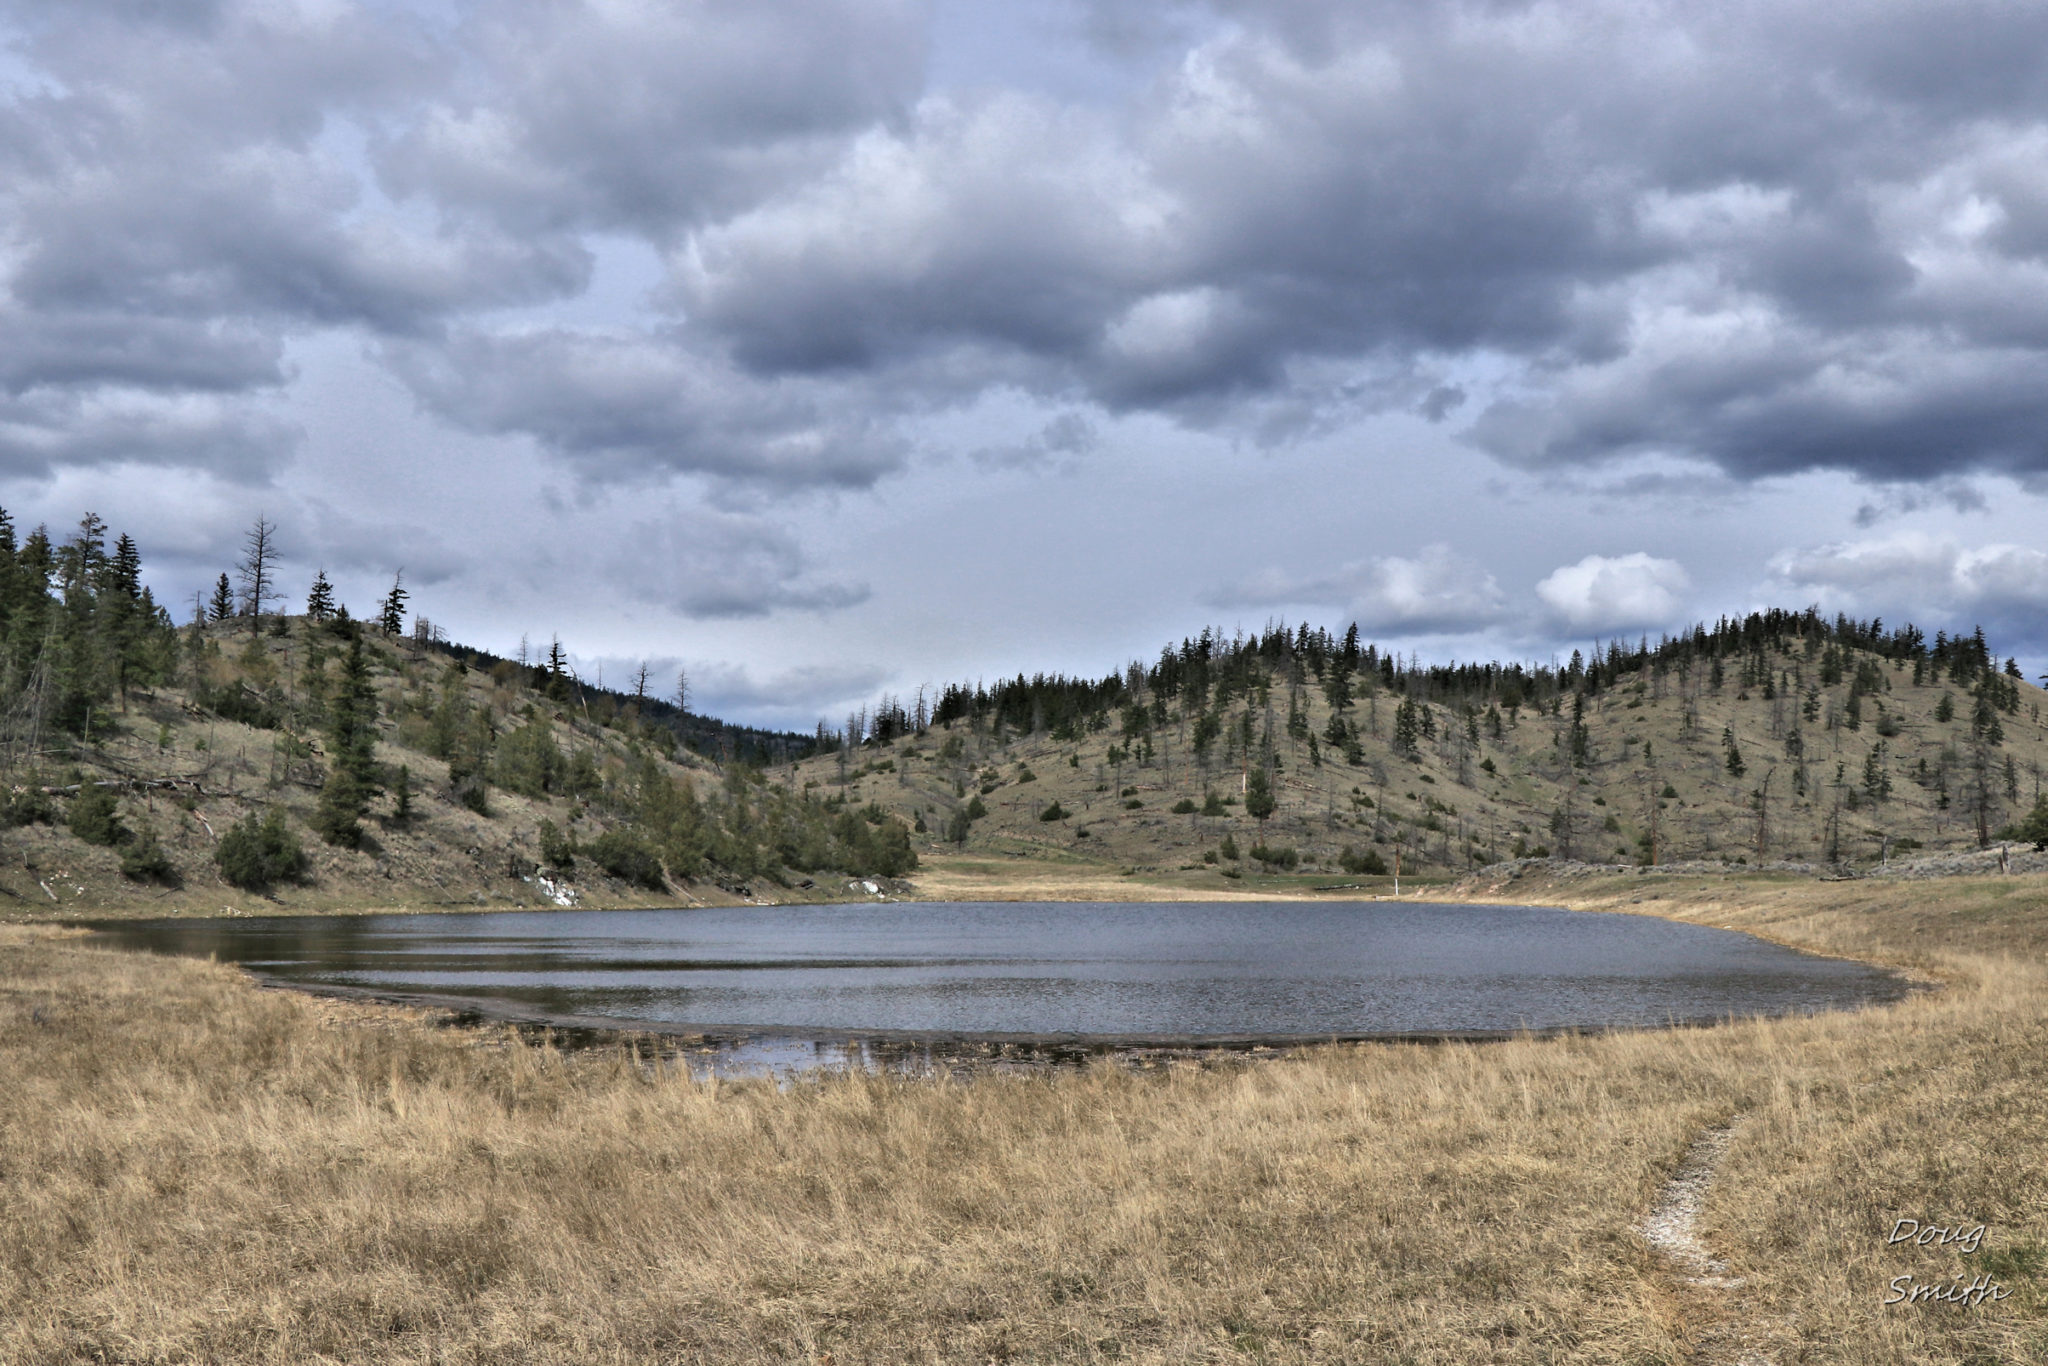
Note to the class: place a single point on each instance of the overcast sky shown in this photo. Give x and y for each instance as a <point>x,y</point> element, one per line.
<point>826,348</point>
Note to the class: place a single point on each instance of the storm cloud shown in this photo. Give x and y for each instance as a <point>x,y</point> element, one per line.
<point>250,249</point>
<point>1764,240</point>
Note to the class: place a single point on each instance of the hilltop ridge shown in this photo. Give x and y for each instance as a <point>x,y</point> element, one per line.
<point>263,761</point>
<point>1782,736</point>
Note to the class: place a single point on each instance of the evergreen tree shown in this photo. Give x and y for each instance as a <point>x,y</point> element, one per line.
<point>81,563</point>
<point>351,752</point>
<point>223,604</point>
<point>320,601</point>
<point>146,860</point>
<point>254,853</point>
<point>392,616</point>
<point>1407,728</point>
<point>2034,828</point>
<point>95,816</point>
<point>1732,759</point>
<point>126,569</point>
<point>1258,794</point>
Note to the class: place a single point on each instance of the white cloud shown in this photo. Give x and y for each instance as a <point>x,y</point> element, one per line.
<point>1917,573</point>
<point>1611,593</point>
<point>1438,592</point>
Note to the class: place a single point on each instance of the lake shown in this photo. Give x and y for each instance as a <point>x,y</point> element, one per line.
<point>783,982</point>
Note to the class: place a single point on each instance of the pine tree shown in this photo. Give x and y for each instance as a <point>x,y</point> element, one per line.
<point>320,601</point>
<point>126,569</point>
<point>1258,793</point>
<point>351,753</point>
<point>1733,759</point>
<point>392,617</point>
<point>223,604</point>
<point>81,563</point>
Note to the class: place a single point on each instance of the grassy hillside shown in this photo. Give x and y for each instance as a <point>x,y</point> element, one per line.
<point>1852,745</point>
<point>497,775</point>
<point>1780,739</point>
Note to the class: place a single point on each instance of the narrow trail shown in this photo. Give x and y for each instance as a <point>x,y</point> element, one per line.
<point>1672,1227</point>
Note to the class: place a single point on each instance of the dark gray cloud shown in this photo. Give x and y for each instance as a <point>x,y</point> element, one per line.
<point>648,116</point>
<point>1382,183</point>
<point>1060,444</point>
<point>687,264</point>
<point>47,430</point>
<point>712,565</point>
<point>636,404</point>
<point>1770,241</point>
<point>58,351</point>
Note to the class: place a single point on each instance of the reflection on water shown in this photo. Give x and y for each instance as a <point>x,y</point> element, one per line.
<point>776,985</point>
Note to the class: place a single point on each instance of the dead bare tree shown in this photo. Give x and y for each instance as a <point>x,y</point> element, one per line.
<point>257,570</point>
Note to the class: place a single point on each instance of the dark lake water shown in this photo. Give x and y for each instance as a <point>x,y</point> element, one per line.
<point>1173,973</point>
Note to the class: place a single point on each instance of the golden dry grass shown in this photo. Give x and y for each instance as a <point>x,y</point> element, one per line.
<point>195,1170</point>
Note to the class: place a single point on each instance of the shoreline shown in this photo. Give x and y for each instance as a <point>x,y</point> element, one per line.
<point>272,1176</point>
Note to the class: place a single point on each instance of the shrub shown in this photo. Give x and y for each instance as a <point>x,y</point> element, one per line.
<point>1276,856</point>
<point>96,816</point>
<point>236,702</point>
<point>1055,812</point>
<point>626,857</point>
<point>473,794</point>
<point>255,853</point>
<point>1185,807</point>
<point>1228,848</point>
<point>557,850</point>
<point>2033,829</point>
<point>1355,863</point>
<point>144,860</point>
<point>976,807</point>
<point>27,805</point>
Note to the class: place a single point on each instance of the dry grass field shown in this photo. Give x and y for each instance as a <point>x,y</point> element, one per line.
<point>192,1169</point>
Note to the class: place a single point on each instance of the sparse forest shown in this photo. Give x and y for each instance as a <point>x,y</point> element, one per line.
<point>1781,736</point>
<point>315,753</point>
<point>318,753</point>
